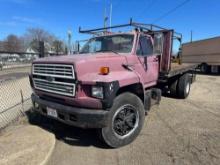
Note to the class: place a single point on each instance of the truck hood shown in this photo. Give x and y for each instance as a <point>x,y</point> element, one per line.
<point>72,59</point>
<point>87,66</point>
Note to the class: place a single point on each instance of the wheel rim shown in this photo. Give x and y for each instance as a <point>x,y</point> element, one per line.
<point>187,88</point>
<point>125,121</point>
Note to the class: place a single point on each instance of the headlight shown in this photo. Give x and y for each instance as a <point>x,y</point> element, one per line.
<point>97,92</point>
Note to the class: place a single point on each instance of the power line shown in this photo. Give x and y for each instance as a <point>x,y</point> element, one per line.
<point>149,6</point>
<point>171,11</point>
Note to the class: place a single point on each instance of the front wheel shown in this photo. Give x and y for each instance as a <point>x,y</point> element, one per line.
<point>126,120</point>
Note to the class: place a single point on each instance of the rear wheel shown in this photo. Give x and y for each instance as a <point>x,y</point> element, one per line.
<point>126,120</point>
<point>205,68</point>
<point>183,86</point>
<point>173,88</point>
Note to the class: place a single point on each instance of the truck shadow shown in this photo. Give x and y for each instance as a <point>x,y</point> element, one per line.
<point>207,74</point>
<point>65,133</point>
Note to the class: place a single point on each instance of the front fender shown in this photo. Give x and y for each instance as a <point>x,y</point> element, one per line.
<point>111,83</point>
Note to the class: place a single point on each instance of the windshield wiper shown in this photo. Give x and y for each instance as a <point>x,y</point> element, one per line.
<point>107,51</point>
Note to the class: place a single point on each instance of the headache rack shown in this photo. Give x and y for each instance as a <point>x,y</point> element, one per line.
<point>149,28</point>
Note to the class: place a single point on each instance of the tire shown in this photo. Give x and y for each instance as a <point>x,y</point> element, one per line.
<point>112,135</point>
<point>205,68</point>
<point>173,88</point>
<point>183,86</point>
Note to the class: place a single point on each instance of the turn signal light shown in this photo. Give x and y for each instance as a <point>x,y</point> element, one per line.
<point>104,70</point>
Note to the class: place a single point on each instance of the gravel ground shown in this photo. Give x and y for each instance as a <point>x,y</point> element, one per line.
<point>175,132</point>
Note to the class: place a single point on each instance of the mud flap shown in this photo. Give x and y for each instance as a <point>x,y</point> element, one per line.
<point>152,97</point>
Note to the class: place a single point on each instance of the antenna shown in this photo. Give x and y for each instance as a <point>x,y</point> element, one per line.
<point>105,17</point>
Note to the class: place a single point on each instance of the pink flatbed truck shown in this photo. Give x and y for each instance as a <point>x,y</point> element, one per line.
<point>112,82</point>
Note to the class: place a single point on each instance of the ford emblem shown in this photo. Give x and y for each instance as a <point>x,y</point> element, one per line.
<point>50,79</point>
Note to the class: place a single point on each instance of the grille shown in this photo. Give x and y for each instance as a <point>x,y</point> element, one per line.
<point>53,78</point>
<point>62,71</point>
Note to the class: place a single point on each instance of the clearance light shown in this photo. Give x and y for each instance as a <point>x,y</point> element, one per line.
<point>104,70</point>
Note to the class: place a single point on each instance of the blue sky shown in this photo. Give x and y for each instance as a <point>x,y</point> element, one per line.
<point>57,16</point>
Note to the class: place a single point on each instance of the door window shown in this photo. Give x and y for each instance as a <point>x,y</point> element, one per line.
<point>145,46</point>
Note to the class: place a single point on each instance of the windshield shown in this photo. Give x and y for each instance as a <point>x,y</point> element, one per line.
<point>116,43</point>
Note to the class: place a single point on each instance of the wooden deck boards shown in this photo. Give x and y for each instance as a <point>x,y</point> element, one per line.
<point>176,66</point>
<point>176,69</point>
<point>180,68</point>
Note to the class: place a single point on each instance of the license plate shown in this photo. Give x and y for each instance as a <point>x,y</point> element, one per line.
<point>51,112</point>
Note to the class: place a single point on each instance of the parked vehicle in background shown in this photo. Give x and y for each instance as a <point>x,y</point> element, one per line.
<point>112,82</point>
<point>12,59</point>
<point>205,52</point>
<point>1,64</point>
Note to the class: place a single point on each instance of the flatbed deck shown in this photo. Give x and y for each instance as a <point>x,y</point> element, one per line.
<point>177,69</point>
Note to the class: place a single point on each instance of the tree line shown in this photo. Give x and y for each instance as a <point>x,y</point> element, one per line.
<point>30,42</point>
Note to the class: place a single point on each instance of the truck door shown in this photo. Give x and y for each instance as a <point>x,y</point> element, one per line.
<point>148,62</point>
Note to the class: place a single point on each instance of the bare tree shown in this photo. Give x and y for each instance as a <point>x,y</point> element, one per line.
<point>31,39</point>
<point>39,35</point>
<point>34,35</point>
<point>12,44</point>
<point>58,46</point>
<point>1,45</point>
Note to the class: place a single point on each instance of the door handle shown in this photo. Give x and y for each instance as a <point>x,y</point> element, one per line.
<point>128,66</point>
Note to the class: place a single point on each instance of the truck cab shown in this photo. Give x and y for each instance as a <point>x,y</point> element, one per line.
<point>110,84</point>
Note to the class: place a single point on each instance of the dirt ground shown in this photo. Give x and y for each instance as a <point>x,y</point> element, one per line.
<point>175,132</point>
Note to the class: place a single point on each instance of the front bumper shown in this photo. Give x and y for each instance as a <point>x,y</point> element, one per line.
<point>79,117</point>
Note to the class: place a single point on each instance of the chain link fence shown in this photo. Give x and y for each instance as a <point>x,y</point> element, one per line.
<point>15,59</point>
<point>14,98</point>
<point>15,90</point>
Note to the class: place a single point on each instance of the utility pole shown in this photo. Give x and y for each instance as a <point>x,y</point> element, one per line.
<point>69,33</point>
<point>110,16</point>
<point>41,49</point>
<point>191,36</point>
